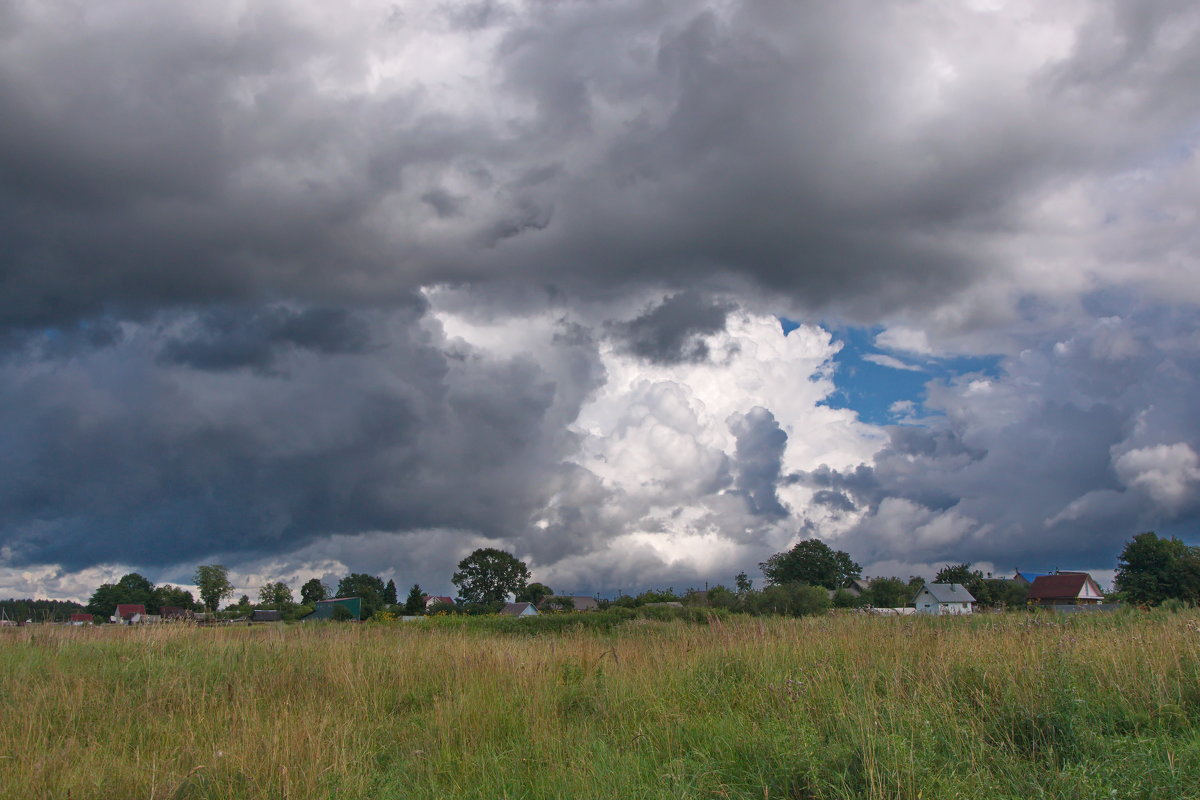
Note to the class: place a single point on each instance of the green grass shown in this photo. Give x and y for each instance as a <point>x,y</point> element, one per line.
<point>1004,706</point>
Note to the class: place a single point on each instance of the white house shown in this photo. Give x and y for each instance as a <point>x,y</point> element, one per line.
<point>943,598</point>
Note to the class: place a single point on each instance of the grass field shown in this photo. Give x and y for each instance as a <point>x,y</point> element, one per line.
<point>1003,706</point>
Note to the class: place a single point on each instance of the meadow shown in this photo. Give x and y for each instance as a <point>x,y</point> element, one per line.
<point>836,706</point>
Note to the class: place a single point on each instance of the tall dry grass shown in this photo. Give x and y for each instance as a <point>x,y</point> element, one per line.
<point>829,707</point>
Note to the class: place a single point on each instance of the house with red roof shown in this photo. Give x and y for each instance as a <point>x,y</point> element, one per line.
<point>433,600</point>
<point>1065,589</point>
<point>81,619</point>
<point>128,613</point>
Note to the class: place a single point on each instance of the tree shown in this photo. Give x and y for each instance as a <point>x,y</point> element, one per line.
<point>313,592</point>
<point>720,597</point>
<point>415,602</point>
<point>168,595</point>
<point>103,602</point>
<point>490,575</point>
<point>213,583</point>
<point>958,573</point>
<point>889,593</point>
<point>743,583</point>
<point>131,588</point>
<point>552,603</point>
<point>1152,569</point>
<point>533,593</point>
<point>368,587</point>
<point>389,594</point>
<point>789,599</point>
<point>275,594</point>
<point>811,561</point>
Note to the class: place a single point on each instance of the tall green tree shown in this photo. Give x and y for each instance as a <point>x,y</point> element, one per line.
<point>313,592</point>
<point>370,588</point>
<point>811,561</point>
<point>533,593</point>
<point>177,596</point>
<point>889,593</point>
<point>275,594</point>
<point>389,594</point>
<point>961,574</point>
<point>490,575</point>
<point>131,588</point>
<point>1153,569</point>
<point>415,602</point>
<point>213,582</point>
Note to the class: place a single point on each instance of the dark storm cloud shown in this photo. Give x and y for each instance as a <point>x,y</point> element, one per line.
<point>226,339</point>
<point>112,458</point>
<point>188,155</point>
<point>673,331</point>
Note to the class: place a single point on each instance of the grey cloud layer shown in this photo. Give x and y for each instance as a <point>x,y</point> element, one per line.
<point>859,155</point>
<point>217,219</point>
<point>129,456</point>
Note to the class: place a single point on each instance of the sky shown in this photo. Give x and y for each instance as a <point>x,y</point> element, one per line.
<point>641,292</point>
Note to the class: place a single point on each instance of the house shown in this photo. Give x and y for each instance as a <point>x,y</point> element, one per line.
<point>128,613</point>
<point>1027,578</point>
<point>266,615</point>
<point>81,619</point>
<point>569,602</point>
<point>943,598</point>
<point>431,601</point>
<point>1065,588</point>
<point>519,610</point>
<point>175,612</point>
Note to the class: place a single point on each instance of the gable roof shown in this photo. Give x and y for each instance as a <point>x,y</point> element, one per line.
<point>1029,577</point>
<point>948,593</point>
<point>517,609</point>
<point>129,609</point>
<point>1061,586</point>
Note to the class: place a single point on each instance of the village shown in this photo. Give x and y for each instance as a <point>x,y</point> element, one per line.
<point>809,578</point>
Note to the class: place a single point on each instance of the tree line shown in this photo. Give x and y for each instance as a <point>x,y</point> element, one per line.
<point>804,579</point>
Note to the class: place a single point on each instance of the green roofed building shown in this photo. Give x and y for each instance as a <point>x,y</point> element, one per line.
<point>324,609</point>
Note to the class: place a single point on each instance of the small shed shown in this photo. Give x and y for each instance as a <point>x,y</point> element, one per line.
<point>266,615</point>
<point>944,598</point>
<point>324,609</point>
<point>519,610</point>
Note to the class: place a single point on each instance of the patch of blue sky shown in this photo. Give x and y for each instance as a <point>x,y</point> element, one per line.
<point>884,387</point>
